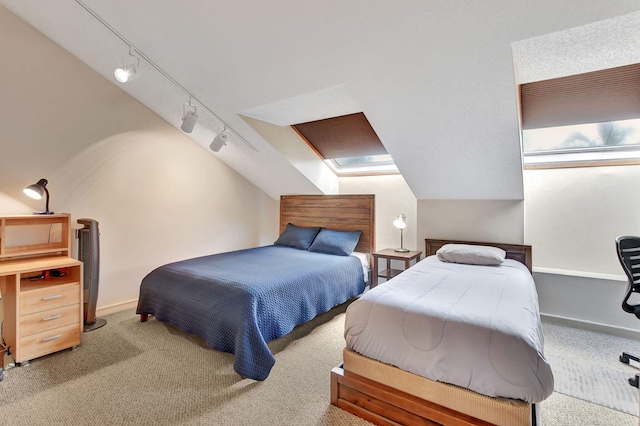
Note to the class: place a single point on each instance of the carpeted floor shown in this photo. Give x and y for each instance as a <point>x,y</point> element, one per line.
<point>150,373</point>
<point>586,367</point>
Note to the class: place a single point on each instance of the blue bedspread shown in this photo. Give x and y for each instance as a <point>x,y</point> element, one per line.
<point>240,300</point>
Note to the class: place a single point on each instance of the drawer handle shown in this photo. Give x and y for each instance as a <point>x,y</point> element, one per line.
<point>57,296</point>
<point>52,317</point>
<point>48,339</point>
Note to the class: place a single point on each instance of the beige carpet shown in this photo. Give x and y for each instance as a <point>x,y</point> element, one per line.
<point>150,373</point>
<point>605,386</point>
<point>585,365</point>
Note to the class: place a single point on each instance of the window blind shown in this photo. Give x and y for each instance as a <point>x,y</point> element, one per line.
<point>603,95</point>
<point>341,137</point>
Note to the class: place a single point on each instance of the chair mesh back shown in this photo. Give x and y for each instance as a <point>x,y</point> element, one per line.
<point>628,248</point>
<point>629,255</point>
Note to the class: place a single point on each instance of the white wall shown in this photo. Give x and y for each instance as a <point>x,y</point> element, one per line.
<point>157,195</point>
<point>10,206</point>
<point>159,199</point>
<point>393,197</point>
<point>291,146</point>
<point>591,303</point>
<point>572,218</point>
<point>473,220</point>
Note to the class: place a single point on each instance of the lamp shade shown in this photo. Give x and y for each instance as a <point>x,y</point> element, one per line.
<point>36,191</point>
<point>400,222</point>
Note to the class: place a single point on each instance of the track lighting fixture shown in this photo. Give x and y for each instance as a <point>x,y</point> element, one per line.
<point>219,141</point>
<point>189,118</point>
<point>129,71</point>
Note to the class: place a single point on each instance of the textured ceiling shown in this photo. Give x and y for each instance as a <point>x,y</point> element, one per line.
<point>434,78</point>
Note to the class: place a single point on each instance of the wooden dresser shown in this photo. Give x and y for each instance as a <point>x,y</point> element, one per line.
<point>41,286</point>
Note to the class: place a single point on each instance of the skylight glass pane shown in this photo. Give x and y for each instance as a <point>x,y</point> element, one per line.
<point>605,135</point>
<point>363,161</point>
<point>364,165</point>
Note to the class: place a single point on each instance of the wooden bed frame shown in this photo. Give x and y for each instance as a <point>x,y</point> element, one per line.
<point>362,393</point>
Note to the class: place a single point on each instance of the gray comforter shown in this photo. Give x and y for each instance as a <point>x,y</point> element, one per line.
<point>477,327</point>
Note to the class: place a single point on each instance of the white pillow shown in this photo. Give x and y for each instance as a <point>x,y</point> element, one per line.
<point>471,254</point>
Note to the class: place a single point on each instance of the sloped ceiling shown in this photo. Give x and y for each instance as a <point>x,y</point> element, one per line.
<point>434,77</point>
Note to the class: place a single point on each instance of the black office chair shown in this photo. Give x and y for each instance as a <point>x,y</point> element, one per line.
<point>628,248</point>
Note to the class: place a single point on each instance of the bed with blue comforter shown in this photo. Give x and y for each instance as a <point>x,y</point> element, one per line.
<point>238,301</point>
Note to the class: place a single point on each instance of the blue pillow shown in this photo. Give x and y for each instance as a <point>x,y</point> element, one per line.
<point>341,243</point>
<point>299,237</point>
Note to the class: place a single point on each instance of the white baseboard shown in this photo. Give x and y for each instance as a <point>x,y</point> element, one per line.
<point>592,326</point>
<point>123,306</point>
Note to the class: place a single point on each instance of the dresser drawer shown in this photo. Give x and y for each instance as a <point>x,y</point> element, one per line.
<point>46,320</point>
<point>49,341</point>
<point>49,297</point>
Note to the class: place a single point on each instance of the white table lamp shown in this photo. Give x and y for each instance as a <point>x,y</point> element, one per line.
<point>401,222</point>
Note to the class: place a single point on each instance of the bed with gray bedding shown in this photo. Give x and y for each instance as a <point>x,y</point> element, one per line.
<point>474,326</point>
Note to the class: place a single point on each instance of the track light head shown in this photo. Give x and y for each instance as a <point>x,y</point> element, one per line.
<point>189,118</point>
<point>128,71</point>
<point>125,73</point>
<point>189,122</point>
<point>219,141</point>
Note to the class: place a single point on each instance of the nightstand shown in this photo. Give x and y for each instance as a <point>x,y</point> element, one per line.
<point>389,255</point>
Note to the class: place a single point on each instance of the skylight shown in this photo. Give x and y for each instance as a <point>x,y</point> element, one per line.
<point>348,144</point>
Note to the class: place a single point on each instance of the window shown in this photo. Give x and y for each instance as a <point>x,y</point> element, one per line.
<point>582,120</point>
<point>583,144</point>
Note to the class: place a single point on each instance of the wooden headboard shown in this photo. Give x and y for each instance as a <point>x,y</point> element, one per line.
<point>339,212</point>
<point>520,252</point>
